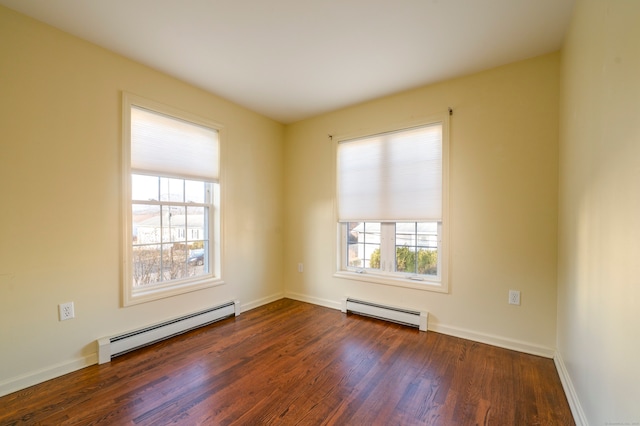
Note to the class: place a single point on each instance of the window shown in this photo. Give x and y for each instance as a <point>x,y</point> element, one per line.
<point>172,201</point>
<point>392,203</point>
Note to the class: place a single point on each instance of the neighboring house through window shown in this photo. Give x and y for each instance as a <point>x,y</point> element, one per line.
<point>172,201</point>
<point>392,204</point>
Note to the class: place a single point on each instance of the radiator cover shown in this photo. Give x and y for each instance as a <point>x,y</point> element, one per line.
<point>390,313</point>
<point>109,347</point>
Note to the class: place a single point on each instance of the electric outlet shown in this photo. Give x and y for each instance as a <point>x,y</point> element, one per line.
<point>300,267</point>
<point>514,297</point>
<point>66,311</point>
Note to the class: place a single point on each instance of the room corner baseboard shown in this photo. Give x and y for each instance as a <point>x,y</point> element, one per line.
<point>262,301</point>
<point>572,397</point>
<point>15,384</point>
<point>501,342</point>
<point>314,300</point>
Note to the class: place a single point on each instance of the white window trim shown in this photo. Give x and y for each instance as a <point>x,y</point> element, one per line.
<point>131,296</point>
<point>440,285</point>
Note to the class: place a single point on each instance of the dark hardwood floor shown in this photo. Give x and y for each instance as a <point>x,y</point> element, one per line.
<point>292,363</point>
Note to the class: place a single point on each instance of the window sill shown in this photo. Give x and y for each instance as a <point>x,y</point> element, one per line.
<point>439,287</point>
<point>142,295</point>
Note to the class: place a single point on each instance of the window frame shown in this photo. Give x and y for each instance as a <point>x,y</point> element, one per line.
<point>393,278</point>
<point>130,294</point>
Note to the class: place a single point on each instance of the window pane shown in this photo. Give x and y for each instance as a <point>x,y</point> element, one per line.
<point>406,259</point>
<point>197,261</point>
<point>405,234</point>
<point>144,188</point>
<point>172,189</point>
<point>146,265</point>
<point>194,191</point>
<point>196,223</point>
<point>428,235</point>
<point>174,261</point>
<point>428,262</point>
<point>417,248</point>
<point>363,244</point>
<point>146,224</point>
<point>372,256</point>
<point>173,224</point>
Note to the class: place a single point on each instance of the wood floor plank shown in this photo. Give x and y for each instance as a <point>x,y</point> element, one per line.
<point>293,363</point>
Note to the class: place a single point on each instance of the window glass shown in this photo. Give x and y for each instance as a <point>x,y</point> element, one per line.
<point>417,248</point>
<point>144,187</point>
<point>363,245</point>
<point>171,189</point>
<point>195,191</point>
<point>170,238</point>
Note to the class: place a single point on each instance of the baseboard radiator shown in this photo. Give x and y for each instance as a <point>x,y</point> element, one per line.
<point>390,313</point>
<point>110,347</point>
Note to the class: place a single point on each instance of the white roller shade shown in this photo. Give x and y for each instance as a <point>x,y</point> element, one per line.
<point>392,176</point>
<point>170,146</point>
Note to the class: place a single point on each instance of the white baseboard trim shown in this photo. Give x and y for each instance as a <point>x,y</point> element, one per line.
<point>21,382</point>
<point>572,397</point>
<point>314,300</point>
<point>490,339</point>
<point>24,381</point>
<point>15,384</point>
<point>516,345</point>
<point>259,302</point>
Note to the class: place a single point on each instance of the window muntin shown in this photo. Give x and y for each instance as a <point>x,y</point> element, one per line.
<point>401,199</point>
<point>172,201</point>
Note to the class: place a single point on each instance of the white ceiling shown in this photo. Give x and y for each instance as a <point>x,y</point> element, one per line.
<point>292,59</point>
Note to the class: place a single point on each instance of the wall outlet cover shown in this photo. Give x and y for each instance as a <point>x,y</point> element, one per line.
<point>514,297</point>
<point>67,311</point>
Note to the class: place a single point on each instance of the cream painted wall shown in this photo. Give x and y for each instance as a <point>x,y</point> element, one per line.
<point>503,202</point>
<point>599,226</point>
<point>60,237</point>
